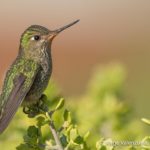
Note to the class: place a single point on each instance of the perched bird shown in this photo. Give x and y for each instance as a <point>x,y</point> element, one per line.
<point>29,74</point>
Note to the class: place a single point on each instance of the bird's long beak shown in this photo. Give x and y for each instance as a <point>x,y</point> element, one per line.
<point>57,31</point>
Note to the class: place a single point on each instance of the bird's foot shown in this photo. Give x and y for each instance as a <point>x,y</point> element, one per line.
<point>37,108</point>
<point>41,104</point>
<point>31,111</point>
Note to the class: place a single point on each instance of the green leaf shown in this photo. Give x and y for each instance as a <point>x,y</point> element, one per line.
<point>146,121</point>
<point>40,121</point>
<point>73,134</point>
<point>22,147</point>
<point>86,136</point>
<point>68,130</point>
<point>67,118</point>
<point>48,116</point>
<point>79,140</point>
<point>32,131</point>
<point>63,140</point>
<point>60,104</point>
<point>32,142</point>
<point>145,142</point>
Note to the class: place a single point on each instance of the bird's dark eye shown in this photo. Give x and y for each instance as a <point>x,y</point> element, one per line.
<point>36,37</point>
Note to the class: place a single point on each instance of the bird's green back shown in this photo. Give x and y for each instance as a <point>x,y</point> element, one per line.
<point>21,66</point>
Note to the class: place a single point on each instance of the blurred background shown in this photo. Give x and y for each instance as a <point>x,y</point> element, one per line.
<point>108,32</point>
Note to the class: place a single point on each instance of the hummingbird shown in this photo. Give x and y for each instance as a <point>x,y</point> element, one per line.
<point>30,72</point>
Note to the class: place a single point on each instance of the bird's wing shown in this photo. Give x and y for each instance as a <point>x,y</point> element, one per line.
<point>22,84</point>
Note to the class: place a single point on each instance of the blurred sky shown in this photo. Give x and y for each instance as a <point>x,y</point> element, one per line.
<point>109,31</point>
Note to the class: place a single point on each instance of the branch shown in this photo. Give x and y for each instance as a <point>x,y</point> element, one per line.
<point>55,135</point>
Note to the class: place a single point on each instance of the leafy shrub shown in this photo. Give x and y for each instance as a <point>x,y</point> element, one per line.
<point>93,121</point>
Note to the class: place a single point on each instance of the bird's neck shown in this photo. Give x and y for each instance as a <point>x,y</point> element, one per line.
<point>46,61</point>
<point>43,58</point>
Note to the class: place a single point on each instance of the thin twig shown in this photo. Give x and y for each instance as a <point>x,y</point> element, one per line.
<point>55,135</point>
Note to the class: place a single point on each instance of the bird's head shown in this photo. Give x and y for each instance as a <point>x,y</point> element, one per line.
<point>36,40</point>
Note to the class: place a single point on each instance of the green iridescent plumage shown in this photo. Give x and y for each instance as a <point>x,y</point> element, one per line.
<point>28,76</point>
<point>20,66</point>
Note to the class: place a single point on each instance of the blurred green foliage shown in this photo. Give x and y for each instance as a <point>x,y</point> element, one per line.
<point>92,121</point>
